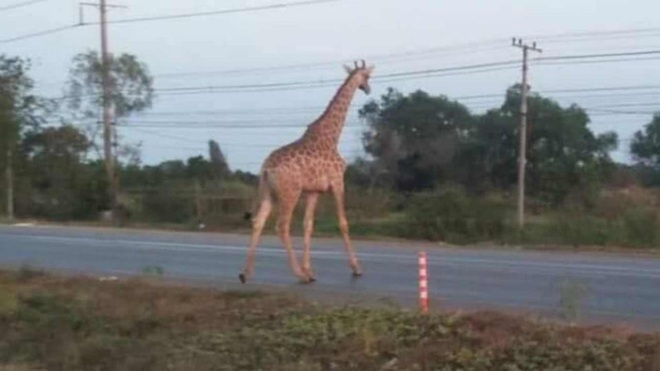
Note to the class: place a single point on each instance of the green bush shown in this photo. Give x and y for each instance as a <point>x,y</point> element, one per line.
<point>632,228</point>
<point>167,207</point>
<point>642,228</point>
<point>450,215</point>
<point>580,230</point>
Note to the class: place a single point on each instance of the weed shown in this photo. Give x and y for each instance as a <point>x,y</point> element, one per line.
<point>82,324</point>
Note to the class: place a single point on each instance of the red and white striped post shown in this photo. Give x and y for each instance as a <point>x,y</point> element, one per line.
<point>423,283</point>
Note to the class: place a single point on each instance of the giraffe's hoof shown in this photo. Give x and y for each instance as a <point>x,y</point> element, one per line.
<point>357,274</point>
<point>306,280</point>
<point>242,277</point>
<point>312,279</point>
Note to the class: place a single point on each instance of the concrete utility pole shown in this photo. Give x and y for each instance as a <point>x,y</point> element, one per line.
<point>9,152</point>
<point>9,178</point>
<point>522,149</point>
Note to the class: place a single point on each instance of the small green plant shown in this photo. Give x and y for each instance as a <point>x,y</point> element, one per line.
<point>8,301</point>
<point>571,298</point>
<point>153,270</point>
<point>27,272</point>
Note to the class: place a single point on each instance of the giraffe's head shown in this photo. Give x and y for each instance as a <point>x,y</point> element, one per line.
<point>362,73</point>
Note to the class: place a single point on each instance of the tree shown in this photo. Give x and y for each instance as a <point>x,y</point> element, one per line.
<point>414,138</point>
<point>564,155</point>
<point>130,81</point>
<point>20,112</point>
<point>645,145</point>
<point>131,87</point>
<point>219,167</point>
<point>61,184</point>
<point>199,169</point>
<point>131,91</point>
<point>421,141</point>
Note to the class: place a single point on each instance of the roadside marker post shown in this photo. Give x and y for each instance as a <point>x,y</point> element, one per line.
<point>423,283</point>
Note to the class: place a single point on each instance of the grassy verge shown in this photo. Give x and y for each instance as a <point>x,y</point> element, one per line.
<point>56,323</point>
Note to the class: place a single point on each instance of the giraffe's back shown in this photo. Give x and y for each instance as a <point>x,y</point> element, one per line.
<point>309,168</point>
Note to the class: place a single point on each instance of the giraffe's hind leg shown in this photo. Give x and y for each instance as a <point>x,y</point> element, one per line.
<point>258,221</point>
<point>308,228</point>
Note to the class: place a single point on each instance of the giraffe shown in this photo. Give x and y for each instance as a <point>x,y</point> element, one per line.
<point>308,167</point>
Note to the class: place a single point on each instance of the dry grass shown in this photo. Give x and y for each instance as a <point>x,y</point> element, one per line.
<point>81,323</point>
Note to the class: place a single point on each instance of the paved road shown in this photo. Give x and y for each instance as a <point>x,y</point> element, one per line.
<point>620,289</point>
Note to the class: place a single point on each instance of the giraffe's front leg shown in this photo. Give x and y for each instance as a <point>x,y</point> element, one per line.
<point>308,228</point>
<point>288,201</point>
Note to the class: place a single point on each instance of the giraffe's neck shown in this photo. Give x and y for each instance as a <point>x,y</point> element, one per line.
<point>327,128</point>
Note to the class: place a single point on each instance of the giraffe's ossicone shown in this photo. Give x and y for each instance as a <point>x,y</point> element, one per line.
<point>308,166</point>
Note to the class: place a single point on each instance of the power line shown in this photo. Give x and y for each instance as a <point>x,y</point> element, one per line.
<point>217,122</point>
<point>406,54</point>
<point>238,124</point>
<point>222,125</point>
<point>248,111</point>
<point>323,83</point>
<point>249,86</point>
<point>450,49</point>
<point>447,74</point>
<point>633,91</point>
<point>614,96</point>
<point>471,46</point>
<point>565,63</point>
<point>224,11</point>
<point>246,116</point>
<point>389,77</point>
<point>619,112</point>
<point>473,68</point>
<point>20,5</point>
<point>648,104</point>
<point>448,69</point>
<point>607,88</point>
<point>594,34</point>
<point>601,55</point>
<point>186,139</point>
<point>40,33</point>
<point>169,17</point>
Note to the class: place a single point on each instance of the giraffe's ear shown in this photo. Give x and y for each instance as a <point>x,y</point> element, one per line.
<point>370,69</point>
<point>348,69</point>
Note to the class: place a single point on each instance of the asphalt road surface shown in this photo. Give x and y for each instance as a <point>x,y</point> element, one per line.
<point>619,289</point>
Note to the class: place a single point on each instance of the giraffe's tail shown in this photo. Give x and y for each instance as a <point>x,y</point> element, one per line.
<point>263,191</point>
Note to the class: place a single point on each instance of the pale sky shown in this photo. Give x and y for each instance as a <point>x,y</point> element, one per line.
<point>392,34</point>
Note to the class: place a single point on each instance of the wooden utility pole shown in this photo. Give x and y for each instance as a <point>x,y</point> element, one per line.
<point>108,127</point>
<point>522,148</point>
<point>107,113</point>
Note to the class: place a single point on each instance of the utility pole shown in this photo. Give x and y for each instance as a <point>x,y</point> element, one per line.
<point>107,113</point>
<point>9,161</point>
<point>108,127</point>
<point>9,177</point>
<point>522,148</point>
